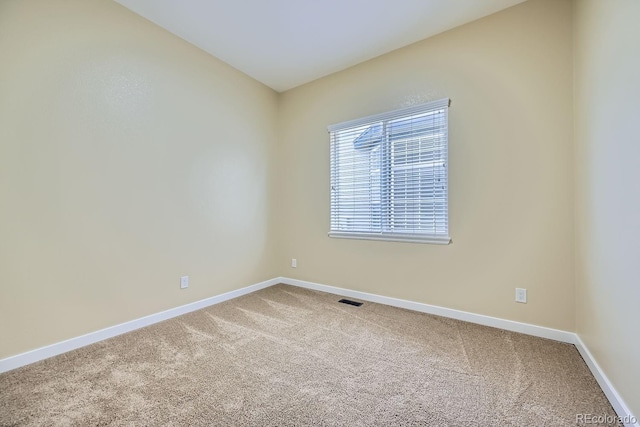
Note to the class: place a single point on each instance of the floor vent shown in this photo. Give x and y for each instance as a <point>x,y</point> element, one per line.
<point>348,301</point>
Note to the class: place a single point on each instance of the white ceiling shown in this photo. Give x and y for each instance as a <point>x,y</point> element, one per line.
<point>285,43</point>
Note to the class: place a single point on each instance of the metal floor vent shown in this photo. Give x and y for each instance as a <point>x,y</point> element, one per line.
<point>348,301</point>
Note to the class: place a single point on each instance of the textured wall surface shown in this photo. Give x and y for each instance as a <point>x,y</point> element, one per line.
<point>607,129</point>
<point>509,77</point>
<point>127,159</point>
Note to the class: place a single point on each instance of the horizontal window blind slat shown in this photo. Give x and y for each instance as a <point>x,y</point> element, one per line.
<point>389,174</point>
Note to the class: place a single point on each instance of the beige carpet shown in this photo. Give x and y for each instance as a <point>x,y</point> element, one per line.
<point>287,356</point>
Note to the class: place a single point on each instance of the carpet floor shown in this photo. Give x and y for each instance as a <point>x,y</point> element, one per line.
<point>286,356</point>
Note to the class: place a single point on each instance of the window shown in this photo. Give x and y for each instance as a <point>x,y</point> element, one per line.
<point>389,175</point>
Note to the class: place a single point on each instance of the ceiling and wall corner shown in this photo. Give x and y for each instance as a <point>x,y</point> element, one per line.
<point>286,43</point>
<point>112,93</point>
<point>115,131</point>
<point>511,225</point>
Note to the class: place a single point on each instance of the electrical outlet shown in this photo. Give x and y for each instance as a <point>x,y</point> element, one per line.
<point>294,262</point>
<point>184,282</point>
<point>521,295</point>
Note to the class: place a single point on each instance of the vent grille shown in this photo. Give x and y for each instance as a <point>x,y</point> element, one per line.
<point>348,301</point>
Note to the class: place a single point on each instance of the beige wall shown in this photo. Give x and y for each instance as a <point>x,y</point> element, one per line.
<point>127,159</point>
<point>607,131</point>
<point>509,77</point>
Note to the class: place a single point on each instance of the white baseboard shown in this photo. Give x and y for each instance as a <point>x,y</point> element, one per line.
<point>41,353</point>
<point>618,404</point>
<point>509,325</point>
<point>616,401</point>
<point>539,331</point>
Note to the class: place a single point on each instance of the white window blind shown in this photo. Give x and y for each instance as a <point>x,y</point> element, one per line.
<point>389,175</point>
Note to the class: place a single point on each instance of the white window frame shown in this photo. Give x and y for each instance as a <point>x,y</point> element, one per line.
<point>386,234</point>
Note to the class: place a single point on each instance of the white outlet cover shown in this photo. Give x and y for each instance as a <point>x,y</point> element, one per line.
<point>521,295</point>
<point>294,262</point>
<point>184,282</point>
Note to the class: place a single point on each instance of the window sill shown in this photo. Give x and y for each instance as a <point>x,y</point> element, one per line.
<point>410,238</point>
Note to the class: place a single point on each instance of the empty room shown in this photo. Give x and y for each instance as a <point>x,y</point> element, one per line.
<point>337,213</point>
